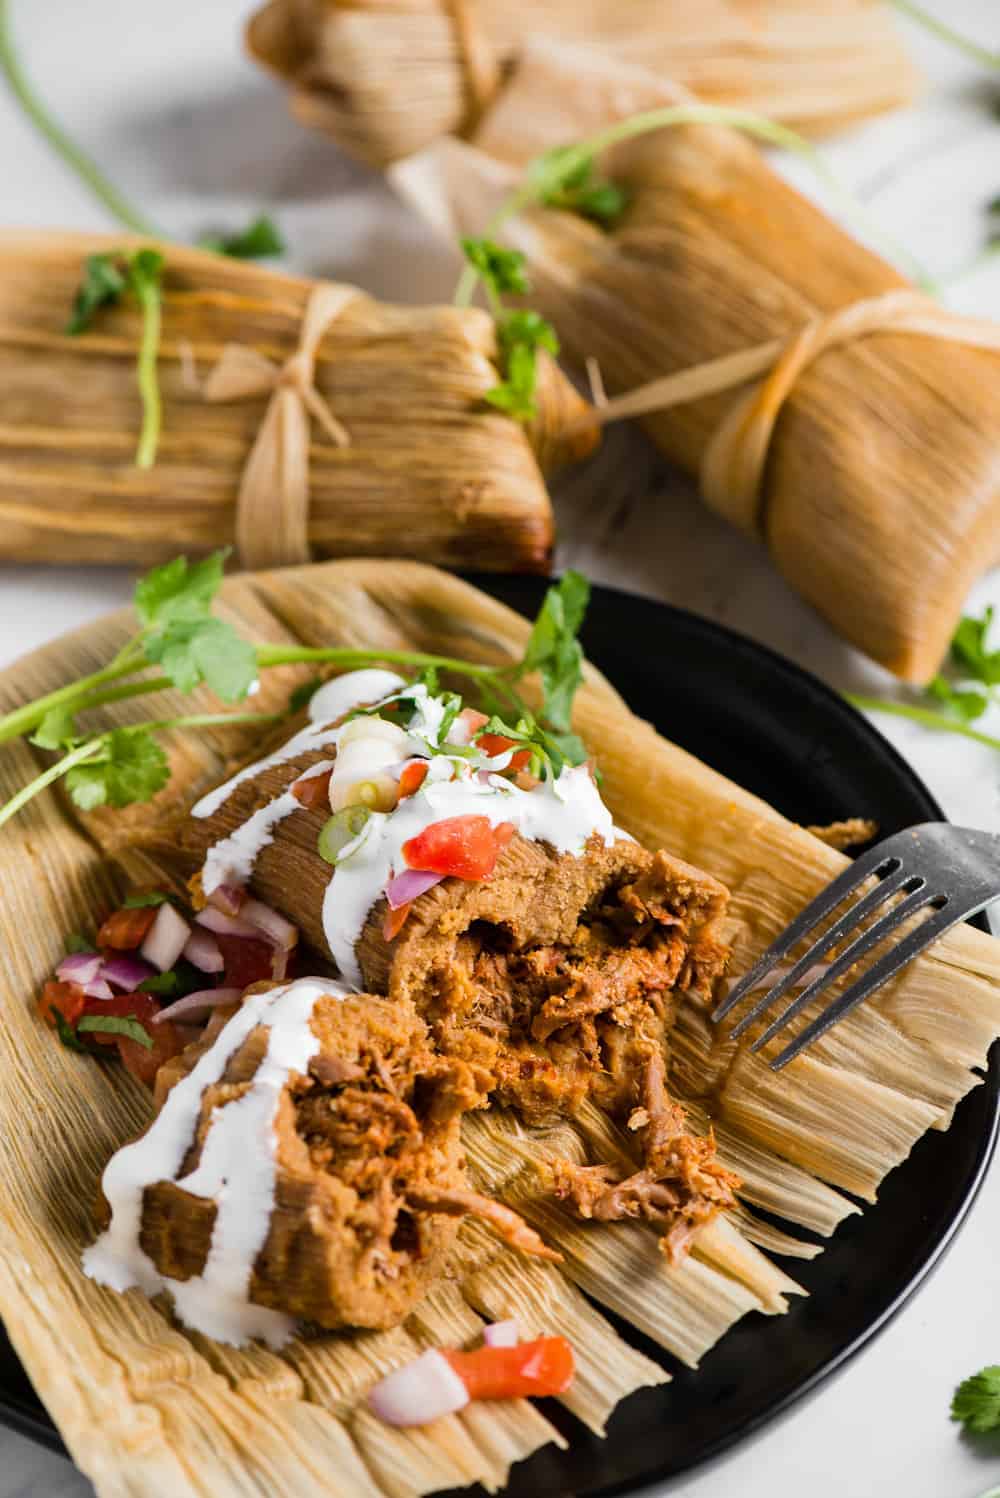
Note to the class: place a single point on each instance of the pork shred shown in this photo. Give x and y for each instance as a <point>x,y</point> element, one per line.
<point>370,1173</point>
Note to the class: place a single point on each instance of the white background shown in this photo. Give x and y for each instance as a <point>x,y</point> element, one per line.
<point>163,96</point>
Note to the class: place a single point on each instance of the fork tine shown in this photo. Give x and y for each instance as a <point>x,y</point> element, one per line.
<point>845,883</point>
<point>878,974</point>
<point>915,900</point>
<point>840,928</point>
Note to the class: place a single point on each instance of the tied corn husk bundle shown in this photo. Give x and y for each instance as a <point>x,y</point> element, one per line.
<point>825,406</point>
<point>298,417</point>
<point>387,77</point>
<point>146,1408</point>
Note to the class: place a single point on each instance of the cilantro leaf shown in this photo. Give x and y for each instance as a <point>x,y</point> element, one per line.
<point>969,650</point>
<point>568,181</point>
<point>502,270</point>
<point>977,1401</point>
<point>176,983</point>
<point>142,899</point>
<point>179,589</point>
<point>56,729</point>
<point>130,766</point>
<point>556,654</point>
<point>105,278</point>
<point>967,704</point>
<point>205,650</point>
<point>66,1032</point>
<point>521,335</point>
<point>258,240</point>
<point>76,942</point>
<point>116,1024</point>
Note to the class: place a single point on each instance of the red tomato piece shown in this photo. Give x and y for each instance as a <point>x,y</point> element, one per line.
<point>66,999</point>
<point>498,743</point>
<point>471,722</point>
<point>465,847</point>
<point>144,1063</point>
<point>545,1366</point>
<point>314,792</point>
<point>412,778</point>
<point>247,961</point>
<point>395,920</point>
<point>125,930</point>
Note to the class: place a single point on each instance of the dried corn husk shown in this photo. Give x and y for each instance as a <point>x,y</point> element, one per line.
<point>387,77</point>
<point>148,1409</point>
<point>875,481</point>
<point>423,465</point>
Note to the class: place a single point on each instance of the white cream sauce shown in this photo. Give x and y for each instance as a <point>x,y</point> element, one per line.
<point>231,859</point>
<point>564,813</point>
<point>237,1171</point>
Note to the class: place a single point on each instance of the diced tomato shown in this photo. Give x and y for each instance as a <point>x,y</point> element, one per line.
<point>498,743</point>
<point>465,847</point>
<point>139,1006</point>
<point>412,778</point>
<point>470,722</point>
<point>126,929</point>
<point>313,792</point>
<point>66,999</point>
<point>144,1063</point>
<point>545,1366</point>
<point>247,960</point>
<point>395,920</point>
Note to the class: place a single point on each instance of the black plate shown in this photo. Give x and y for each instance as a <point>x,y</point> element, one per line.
<point>773,728</point>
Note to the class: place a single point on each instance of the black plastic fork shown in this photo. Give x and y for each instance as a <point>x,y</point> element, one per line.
<point>954,872</point>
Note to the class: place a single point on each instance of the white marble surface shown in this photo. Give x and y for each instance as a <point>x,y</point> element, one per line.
<point>163,96</point>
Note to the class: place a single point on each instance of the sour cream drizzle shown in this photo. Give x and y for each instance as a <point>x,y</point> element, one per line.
<point>564,813</point>
<point>237,1170</point>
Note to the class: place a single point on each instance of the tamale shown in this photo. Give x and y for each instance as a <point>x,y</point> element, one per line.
<point>427,468</point>
<point>144,1407</point>
<point>867,460</point>
<point>387,77</point>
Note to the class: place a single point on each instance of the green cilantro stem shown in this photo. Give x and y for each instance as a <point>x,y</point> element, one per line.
<point>946,33</point>
<point>150,300</point>
<point>757,125</point>
<point>925,715</point>
<point>92,746</point>
<point>287,655</point>
<point>76,159</point>
<point>24,719</point>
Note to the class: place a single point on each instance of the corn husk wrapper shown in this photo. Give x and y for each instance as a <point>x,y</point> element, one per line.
<point>148,1409</point>
<point>877,477</point>
<point>393,448</point>
<point>388,77</point>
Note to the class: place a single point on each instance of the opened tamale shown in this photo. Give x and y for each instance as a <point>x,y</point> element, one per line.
<point>868,460</point>
<point>146,1407</point>
<point>387,77</point>
<point>296,416</point>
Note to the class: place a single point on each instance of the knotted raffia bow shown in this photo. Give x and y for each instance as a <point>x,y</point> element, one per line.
<point>272,508</point>
<point>731,476</point>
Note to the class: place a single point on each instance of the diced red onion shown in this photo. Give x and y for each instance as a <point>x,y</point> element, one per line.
<point>98,989</point>
<point>126,972</point>
<point>419,1392</point>
<point>204,1000</point>
<point>270,924</point>
<point>408,885</point>
<point>79,967</point>
<point>228,898</point>
<point>203,952</point>
<point>226,925</point>
<point>502,1333</point>
<point>167,938</point>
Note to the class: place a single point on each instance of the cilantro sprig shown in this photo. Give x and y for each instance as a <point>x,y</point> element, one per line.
<point>107,278</point>
<point>182,642</point>
<point>976,1401</point>
<point>258,241</point>
<point>961,694</point>
<point>520,334</point>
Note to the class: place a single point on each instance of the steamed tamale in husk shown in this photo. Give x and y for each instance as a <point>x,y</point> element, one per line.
<point>386,445</point>
<point>145,1408</point>
<point>867,460</point>
<point>388,77</point>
